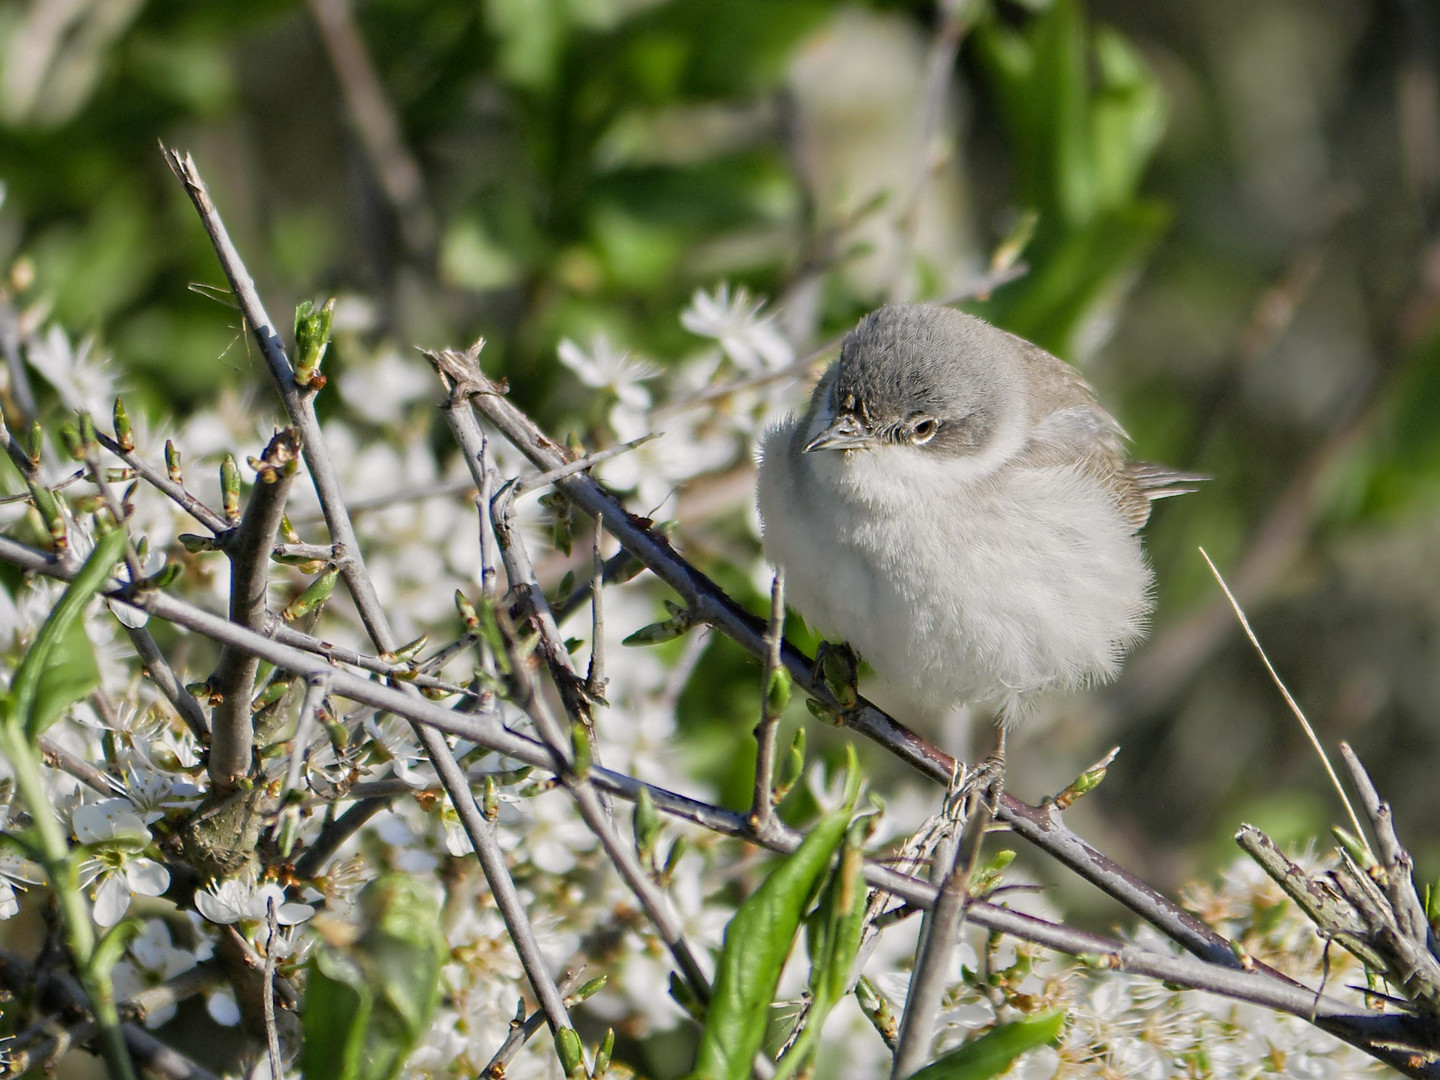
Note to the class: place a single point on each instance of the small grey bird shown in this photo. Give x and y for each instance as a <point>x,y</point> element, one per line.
<point>956,506</point>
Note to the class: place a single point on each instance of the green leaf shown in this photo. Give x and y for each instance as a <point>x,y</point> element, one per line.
<point>1127,120</point>
<point>1078,277</point>
<point>1039,80</point>
<point>406,950</point>
<point>60,669</point>
<point>757,942</point>
<point>833,938</point>
<point>390,979</point>
<point>991,1054</point>
<point>335,1017</point>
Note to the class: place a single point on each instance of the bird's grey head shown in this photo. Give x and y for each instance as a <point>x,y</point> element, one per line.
<point>923,376</point>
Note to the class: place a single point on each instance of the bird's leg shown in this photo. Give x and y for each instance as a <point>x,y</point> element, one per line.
<point>838,667</point>
<point>969,807</point>
<point>983,787</point>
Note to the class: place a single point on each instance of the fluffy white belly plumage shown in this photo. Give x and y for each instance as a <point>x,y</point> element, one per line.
<point>956,589</point>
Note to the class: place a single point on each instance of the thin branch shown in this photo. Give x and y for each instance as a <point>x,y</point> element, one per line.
<point>1285,693</point>
<point>486,476</point>
<point>161,482</point>
<point>762,801</point>
<point>954,865</point>
<point>481,831</point>
<point>595,675</point>
<point>316,687</point>
<point>520,1034</point>
<point>580,464</point>
<point>157,668</point>
<point>272,1034</point>
<point>402,671</point>
<point>930,975</point>
<point>594,809</point>
<point>57,757</point>
<point>335,833</point>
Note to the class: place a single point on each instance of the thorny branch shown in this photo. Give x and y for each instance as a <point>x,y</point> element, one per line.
<point>299,406</point>
<point>1374,1033</point>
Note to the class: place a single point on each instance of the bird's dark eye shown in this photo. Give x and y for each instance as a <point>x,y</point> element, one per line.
<point>924,430</point>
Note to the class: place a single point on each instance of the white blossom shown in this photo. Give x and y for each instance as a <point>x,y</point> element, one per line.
<point>152,961</point>
<point>84,381</point>
<point>117,871</point>
<point>232,900</point>
<point>382,387</point>
<point>15,873</point>
<point>750,341</point>
<point>606,368</point>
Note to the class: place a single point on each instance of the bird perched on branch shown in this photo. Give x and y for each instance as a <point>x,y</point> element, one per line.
<point>956,506</point>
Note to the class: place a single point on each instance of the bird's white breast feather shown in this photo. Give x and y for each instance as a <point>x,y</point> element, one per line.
<point>954,587</point>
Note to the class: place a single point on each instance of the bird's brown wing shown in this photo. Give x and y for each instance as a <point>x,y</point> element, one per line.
<point>1070,427</point>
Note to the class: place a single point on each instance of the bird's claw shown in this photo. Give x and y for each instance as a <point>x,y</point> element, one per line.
<point>837,665</point>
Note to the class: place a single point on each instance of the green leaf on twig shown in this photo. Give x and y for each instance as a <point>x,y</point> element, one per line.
<point>757,942</point>
<point>60,669</point>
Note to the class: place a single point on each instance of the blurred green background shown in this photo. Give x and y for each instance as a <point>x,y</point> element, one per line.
<point>1231,211</point>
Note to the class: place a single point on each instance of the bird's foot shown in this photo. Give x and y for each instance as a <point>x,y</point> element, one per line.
<point>837,665</point>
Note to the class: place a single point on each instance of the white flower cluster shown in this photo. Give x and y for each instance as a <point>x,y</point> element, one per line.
<point>1128,1026</point>
<point>688,442</point>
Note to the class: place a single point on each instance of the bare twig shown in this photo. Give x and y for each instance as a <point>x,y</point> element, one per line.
<point>57,757</point>
<point>177,494</point>
<point>316,687</point>
<point>481,831</point>
<point>595,674</point>
<point>762,801</point>
<point>594,810</point>
<point>272,1034</point>
<point>336,832</point>
<point>1285,693</point>
<point>158,668</point>
<point>954,865</point>
<point>520,1034</point>
<point>1407,931</point>
<point>580,464</point>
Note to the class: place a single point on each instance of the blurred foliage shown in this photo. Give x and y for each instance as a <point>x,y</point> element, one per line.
<point>587,164</point>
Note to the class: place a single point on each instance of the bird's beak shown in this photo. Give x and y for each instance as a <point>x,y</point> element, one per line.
<point>845,432</point>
